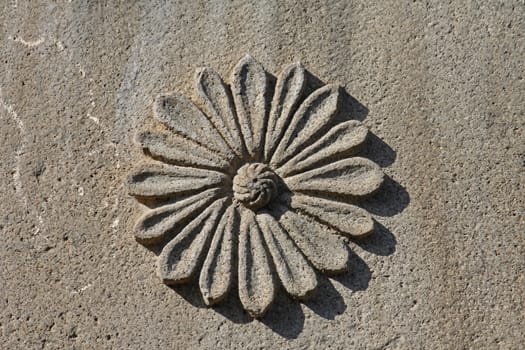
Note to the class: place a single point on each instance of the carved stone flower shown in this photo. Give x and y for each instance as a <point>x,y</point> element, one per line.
<point>255,189</point>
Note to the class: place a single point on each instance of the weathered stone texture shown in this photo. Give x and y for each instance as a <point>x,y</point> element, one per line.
<point>440,86</point>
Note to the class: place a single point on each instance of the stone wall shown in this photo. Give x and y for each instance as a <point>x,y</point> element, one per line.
<point>439,85</point>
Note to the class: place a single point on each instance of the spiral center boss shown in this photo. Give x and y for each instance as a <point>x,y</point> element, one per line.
<point>254,185</point>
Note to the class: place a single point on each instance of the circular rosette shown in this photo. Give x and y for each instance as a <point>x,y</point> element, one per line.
<point>254,185</point>
<point>254,182</point>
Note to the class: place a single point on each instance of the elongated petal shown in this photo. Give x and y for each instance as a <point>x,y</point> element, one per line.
<point>161,180</point>
<point>216,274</point>
<point>177,150</point>
<point>344,217</point>
<point>295,273</point>
<point>155,224</point>
<point>312,118</point>
<point>184,118</point>
<point>321,245</point>
<point>351,177</point>
<point>256,285</point>
<point>180,258</point>
<point>219,106</point>
<point>249,86</point>
<point>288,91</point>
<point>341,141</point>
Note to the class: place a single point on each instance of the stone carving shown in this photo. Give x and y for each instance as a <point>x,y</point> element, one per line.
<point>255,190</point>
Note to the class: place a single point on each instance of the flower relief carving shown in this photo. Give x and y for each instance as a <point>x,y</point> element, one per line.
<point>252,189</point>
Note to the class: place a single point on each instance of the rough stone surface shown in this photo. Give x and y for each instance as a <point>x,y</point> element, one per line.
<point>439,85</point>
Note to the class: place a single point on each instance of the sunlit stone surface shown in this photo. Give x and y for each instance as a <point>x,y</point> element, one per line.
<point>437,89</point>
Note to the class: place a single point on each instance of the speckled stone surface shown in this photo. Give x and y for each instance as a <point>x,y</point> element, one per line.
<point>440,86</point>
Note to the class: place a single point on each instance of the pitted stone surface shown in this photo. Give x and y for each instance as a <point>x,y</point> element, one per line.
<point>439,86</point>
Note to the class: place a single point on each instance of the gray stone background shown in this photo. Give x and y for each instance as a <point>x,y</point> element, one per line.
<point>439,84</point>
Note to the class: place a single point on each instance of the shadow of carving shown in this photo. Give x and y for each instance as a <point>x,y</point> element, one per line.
<point>382,242</point>
<point>349,108</point>
<point>377,150</point>
<point>390,200</point>
<point>286,316</point>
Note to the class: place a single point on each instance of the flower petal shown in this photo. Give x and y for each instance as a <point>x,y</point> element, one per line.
<point>321,245</point>
<point>176,149</point>
<point>180,258</point>
<point>216,274</point>
<point>295,273</point>
<point>184,118</point>
<point>341,141</point>
<point>344,217</point>
<point>256,285</point>
<point>352,177</point>
<point>162,180</point>
<point>219,105</point>
<point>249,86</point>
<point>288,91</point>
<point>311,119</point>
<point>155,224</point>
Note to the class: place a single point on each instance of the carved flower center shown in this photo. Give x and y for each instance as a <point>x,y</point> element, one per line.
<point>254,185</point>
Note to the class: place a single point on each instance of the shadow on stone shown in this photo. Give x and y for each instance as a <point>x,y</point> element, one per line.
<point>328,303</point>
<point>359,275</point>
<point>285,316</point>
<point>381,242</point>
<point>391,199</point>
<point>349,108</point>
<point>231,308</point>
<point>377,150</point>
<point>312,82</point>
<point>189,292</point>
